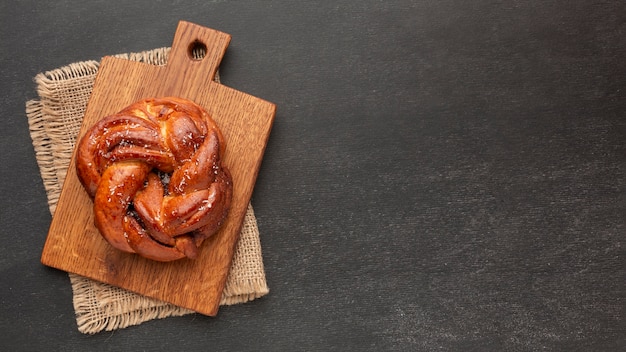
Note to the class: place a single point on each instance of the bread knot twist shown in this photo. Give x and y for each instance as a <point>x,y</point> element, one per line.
<point>155,175</point>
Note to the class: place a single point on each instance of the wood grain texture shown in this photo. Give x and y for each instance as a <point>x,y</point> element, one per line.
<point>74,244</point>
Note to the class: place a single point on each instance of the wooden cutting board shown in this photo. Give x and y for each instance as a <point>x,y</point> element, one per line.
<point>75,245</point>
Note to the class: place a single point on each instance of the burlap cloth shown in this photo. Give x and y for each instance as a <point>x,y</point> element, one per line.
<point>54,121</point>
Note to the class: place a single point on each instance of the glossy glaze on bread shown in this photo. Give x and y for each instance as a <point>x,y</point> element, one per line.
<point>155,174</point>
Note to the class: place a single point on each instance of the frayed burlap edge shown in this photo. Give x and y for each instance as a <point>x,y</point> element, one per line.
<point>54,120</point>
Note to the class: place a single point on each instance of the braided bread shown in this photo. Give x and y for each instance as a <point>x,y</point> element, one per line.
<point>155,175</point>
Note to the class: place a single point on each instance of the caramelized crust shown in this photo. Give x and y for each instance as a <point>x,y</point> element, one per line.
<point>155,175</point>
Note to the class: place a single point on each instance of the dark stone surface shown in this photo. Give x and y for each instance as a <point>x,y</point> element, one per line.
<point>442,175</point>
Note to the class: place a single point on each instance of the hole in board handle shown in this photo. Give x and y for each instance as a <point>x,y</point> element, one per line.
<point>196,50</point>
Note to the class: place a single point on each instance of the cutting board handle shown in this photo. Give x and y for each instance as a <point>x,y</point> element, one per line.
<point>190,38</point>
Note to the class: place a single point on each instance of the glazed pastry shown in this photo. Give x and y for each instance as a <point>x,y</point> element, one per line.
<point>155,174</point>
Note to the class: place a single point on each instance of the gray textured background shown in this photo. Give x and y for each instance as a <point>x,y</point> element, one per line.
<point>442,175</point>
